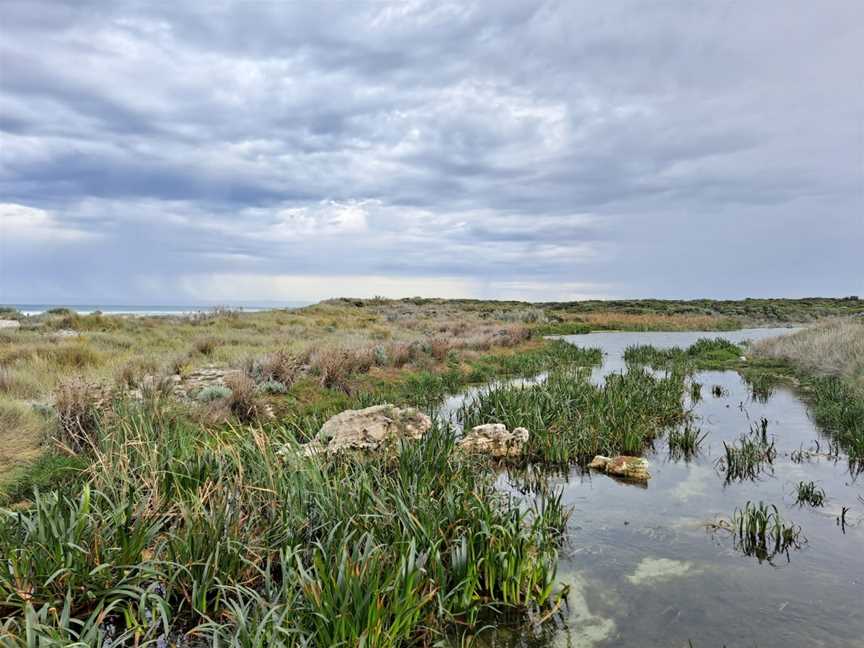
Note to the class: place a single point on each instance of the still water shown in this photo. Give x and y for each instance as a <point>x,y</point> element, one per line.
<point>643,568</point>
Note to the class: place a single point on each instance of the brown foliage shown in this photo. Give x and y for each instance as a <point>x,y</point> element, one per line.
<point>78,406</point>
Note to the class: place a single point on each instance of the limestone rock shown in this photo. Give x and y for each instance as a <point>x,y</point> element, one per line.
<point>494,440</point>
<point>369,429</point>
<point>9,324</point>
<point>633,468</point>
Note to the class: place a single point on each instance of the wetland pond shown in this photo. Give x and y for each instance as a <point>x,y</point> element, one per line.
<point>644,566</point>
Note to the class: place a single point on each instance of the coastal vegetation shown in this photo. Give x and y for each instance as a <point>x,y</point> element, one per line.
<point>161,491</point>
<point>827,360</point>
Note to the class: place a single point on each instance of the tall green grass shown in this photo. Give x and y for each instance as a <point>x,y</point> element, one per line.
<point>704,353</point>
<point>571,419</point>
<point>180,530</point>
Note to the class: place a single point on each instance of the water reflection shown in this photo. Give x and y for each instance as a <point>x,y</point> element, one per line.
<point>644,566</point>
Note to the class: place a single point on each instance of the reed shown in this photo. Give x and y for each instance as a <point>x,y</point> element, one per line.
<point>184,530</point>
<point>747,459</point>
<point>684,441</point>
<point>760,531</point>
<point>809,493</point>
<point>571,419</point>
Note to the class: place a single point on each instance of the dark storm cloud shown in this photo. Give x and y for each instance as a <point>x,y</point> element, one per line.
<point>177,151</point>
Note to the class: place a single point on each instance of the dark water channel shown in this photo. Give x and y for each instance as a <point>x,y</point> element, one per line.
<point>644,570</point>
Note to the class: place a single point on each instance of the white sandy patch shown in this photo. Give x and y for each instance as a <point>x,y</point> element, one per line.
<point>652,570</point>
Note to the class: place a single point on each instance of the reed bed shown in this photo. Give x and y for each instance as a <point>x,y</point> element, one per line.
<point>704,353</point>
<point>571,419</point>
<point>685,440</point>
<point>179,534</point>
<point>829,359</point>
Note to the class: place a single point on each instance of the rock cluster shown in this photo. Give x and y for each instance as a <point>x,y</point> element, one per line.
<point>495,440</point>
<point>368,429</point>
<point>195,381</point>
<point>633,468</point>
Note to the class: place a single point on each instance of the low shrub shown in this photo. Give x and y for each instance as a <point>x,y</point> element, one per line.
<point>79,409</point>
<point>206,346</point>
<point>212,393</point>
<point>280,366</point>
<point>272,387</point>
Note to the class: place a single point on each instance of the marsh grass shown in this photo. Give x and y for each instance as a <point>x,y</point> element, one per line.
<point>571,419</point>
<point>747,459</point>
<point>685,440</point>
<point>809,493</point>
<point>182,529</point>
<point>760,531</point>
<point>705,353</point>
<point>828,358</point>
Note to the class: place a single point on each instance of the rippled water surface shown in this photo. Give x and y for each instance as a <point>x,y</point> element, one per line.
<point>645,571</point>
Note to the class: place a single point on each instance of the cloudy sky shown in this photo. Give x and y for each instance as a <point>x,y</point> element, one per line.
<point>182,152</point>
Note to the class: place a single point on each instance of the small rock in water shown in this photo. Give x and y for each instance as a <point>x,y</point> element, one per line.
<point>635,468</point>
<point>494,440</point>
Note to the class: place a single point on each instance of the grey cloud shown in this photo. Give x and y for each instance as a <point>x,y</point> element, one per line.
<point>478,137</point>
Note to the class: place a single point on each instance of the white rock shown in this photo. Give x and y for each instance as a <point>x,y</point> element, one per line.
<point>495,440</point>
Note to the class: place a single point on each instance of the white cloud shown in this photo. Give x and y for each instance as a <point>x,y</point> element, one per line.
<point>19,223</point>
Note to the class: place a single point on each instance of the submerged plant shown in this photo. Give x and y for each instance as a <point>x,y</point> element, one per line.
<point>746,459</point>
<point>760,531</point>
<point>684,441</point>
<point>809,493</point>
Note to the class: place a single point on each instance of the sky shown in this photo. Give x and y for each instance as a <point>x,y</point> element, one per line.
<point>262,151</point>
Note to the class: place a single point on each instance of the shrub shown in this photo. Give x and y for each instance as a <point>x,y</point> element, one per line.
<point>280,366</point>
<point>132,373</point>
<point>335,365</point>
<point>242,402</point>
<point>78,405</point>
<point>272,387</point>
<point>438,348</point>
<point>212,393</point>
<point>206,346</point>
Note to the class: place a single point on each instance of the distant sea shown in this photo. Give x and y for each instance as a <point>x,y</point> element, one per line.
<point>137,309</point>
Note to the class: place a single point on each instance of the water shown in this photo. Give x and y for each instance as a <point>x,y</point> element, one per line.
<point>645,571</point>
<point>132,309</point>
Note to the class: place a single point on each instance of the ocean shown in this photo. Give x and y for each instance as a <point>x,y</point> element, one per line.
<point>138,309</point>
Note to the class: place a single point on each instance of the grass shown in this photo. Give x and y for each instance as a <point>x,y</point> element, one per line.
<point>828,361</point>
<point>747,459</point>
<point>737,313</point>
<point>760,531</point>
<point>571,419</point>
<point>809,493</point>
<point>180,530</point>
<point>705,353</point>
<point>684,441</point>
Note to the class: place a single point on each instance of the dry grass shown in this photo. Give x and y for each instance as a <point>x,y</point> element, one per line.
<point>347,336</point>
<point>653,322</point>
<point>78,404</point>
<point>834,347</point>
<point>20,435</point>
<point>243,402</point>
